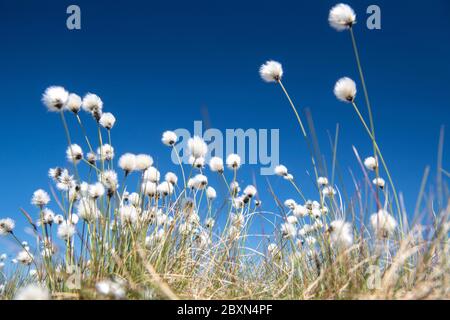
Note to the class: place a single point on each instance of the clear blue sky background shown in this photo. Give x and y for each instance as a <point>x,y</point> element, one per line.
<point>163,64</point>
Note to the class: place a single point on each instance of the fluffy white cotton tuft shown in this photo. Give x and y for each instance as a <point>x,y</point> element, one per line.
<point>74,153</point>
<point>74,103</point>
<point>66,230</point>
<point>345,89</point>
<point>169,138</point>
<point>370,163</point>
<point>165,188</point>
<point>288,230</point>
<point>32,292</point>
<point>127,162</point>
<point>271,71</point>
<point>55,98</point>
<point>290,203</point>
<point>152,174</point>
<point>148,188</point>
<point>6,226</point>
<point>233,161</point>
<point>105,152</point>
<point>341,17</point>
<point>171,178</point>
<point>250,191</point>
<point>211,193</point>
<point>107,120</point>
<point>40,198</point>
<point>322,181</point>
<point>200,181</point>
<point>197,147</point>
<point>281,170</point>
<point>96,190</point>
<point>92,103</point>
<point>143,162</point>
<point>341,234</point>
<point>383,223</point>
<point>216,164</point>
<point>379,182</point>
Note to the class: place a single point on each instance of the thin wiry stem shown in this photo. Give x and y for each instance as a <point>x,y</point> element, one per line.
<point>366,96</point>
<point>381,158</point>
<point>83,130</point>
<point>181,165</point>
<point>293,108</point>
<point>305,136</point>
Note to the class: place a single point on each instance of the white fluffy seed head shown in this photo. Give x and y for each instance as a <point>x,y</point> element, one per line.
<point>250,191</point>
<point>91,157</point>
<point>322,181</point>
<point>169,138</point>
<point>165,188</point>
<point>148,188</point>
<point>40,198</point>
<point>127,162</point>
<point>345,89</point>
<point>216,164</point>
<point>209,223</point>
<point>379,182</point>
<point>74,153</point>
<point>107,120</point>
<point>292,219</point>
<point>370,163</point>
<point>340,234</point>
<point>151,174</point>
<point>300,211</point>
<point>47,216</point>
<point>106,152</point>
<point>55,98</point>
<point>6,226</point>
<point>341,17</point>
<point>197,162</point>
<point>200,181</point>
<point>383,223</point>
<point>234,186</point>
<point>25,257</point>
<point>32,292</point>
<point>74,103</point>
<point>211,193</point>
<point>281,170</point>
<point>197,147</point>
<point>290,203</point>
<point>92,103</point>
<point>88,211</point>
<point>143,162</point>
<point>109,180</point>
<point>96,190</point>
<point>288,230</point>
<point>128,215</point>
<point>171,178</point>
<point>328,191</point>
<point>66,230</point>
<point>271,71</point>
<point>233,161</point>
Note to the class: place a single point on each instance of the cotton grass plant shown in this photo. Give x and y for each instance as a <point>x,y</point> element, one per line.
<point>100,236</point>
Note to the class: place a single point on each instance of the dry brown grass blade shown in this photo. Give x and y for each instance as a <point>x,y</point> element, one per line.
<point>156,279</point>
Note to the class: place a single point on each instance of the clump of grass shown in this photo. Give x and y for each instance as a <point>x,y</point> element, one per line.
<point>162,239</point>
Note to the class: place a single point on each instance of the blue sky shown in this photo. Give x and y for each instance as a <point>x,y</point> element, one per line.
<point>162,65</point>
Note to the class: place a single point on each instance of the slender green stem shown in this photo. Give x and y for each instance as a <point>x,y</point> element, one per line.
<point>181,165</point>
<point>382,160</point>
<point>83,130</point>
<point>366,96</point>
<point>293,108</point>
